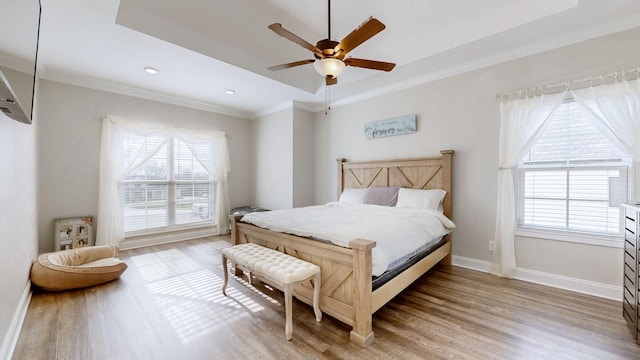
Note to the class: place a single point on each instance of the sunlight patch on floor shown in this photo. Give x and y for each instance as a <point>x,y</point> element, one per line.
<point>192,319</point>
<point>253,288</point>
<point>190,295</point>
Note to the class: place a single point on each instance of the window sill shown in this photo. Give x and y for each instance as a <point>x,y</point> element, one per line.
<point>175,228</point>
<point>168,235</point>
<point>576,237</point>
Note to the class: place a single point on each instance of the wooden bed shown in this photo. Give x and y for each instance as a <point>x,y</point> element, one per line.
<point>346,292</point>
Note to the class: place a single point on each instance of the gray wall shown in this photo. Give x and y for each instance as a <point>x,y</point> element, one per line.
<point>69,147</point>
<point>273,141</point>
<point>461,113</point>
<point>284,154</point>
<point>303,157</point>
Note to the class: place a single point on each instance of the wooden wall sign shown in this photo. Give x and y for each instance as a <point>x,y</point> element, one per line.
<point>397,126</point>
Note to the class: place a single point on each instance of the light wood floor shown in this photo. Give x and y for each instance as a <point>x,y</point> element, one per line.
<point>168,305</point>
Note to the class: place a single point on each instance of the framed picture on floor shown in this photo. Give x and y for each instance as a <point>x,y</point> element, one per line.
<point>72,233</point>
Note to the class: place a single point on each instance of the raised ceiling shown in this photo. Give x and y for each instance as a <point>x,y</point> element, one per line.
<point>203,47</point>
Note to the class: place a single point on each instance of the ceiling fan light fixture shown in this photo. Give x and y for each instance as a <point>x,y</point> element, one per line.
<point>329,53</point>
<point>329,67</point>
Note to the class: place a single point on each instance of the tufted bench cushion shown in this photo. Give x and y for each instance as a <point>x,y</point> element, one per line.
<point>271,263</point>
<point>280,270</point>
<point>77,268</point>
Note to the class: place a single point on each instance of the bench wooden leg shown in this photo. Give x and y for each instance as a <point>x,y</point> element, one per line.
<point>316,297</point>
<point>288,328</point>
<point>237,271</point>
<point>226,274</point>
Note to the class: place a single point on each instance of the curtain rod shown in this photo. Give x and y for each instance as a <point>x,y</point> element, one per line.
<point>610,78</point>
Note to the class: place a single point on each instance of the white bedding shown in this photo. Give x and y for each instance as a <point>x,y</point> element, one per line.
<point>396,231</point>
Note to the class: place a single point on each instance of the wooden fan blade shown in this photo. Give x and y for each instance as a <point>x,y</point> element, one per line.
<point>330,80</point>
<point>290,65</point>
<point>369,64</point>
<point>362,33</point>
<point>278,29</point>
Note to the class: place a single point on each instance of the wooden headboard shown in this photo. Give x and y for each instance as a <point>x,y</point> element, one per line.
<point>422,173</point>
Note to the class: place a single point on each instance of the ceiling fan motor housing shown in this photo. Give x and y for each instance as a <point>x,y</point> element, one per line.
<point>328,48</point>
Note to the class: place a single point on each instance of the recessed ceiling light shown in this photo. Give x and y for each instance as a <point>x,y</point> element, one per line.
<point>151,70</point>
<point>229,91</point>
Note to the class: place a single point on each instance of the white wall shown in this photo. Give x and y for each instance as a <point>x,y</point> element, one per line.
<point>18,237</point>
<point>69,146</point>
<point>303,158</point>
<point>461,113</point>
<point>273,141</point>
<point>284,154</point>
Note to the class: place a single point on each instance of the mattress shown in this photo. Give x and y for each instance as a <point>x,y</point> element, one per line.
<point>399,233</point>
<point>406,263</point>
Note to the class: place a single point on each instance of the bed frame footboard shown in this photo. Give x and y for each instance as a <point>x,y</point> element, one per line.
<point>345,293</point>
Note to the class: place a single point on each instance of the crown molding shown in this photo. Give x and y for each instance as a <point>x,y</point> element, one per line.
<point>120,89</point>
<point>311,107</point>
<point>498,58</point>
<point>15,64</point>
<point>272,110</point>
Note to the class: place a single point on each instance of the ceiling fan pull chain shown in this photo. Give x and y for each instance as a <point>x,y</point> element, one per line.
<point>327,99</point>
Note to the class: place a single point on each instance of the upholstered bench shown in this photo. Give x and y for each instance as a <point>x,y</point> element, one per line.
<point>278,269</point>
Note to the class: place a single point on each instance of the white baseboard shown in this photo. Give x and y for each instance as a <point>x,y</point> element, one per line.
<point>10,341</point>
<point>469,263</point>
<point>558,281</point>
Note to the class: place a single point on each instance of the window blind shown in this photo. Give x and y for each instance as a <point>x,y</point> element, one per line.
<point>192,184</point>
<point>573,178</point>
<point>168,187</point>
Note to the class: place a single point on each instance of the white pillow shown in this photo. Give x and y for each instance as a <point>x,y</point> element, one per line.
<point>353,195</point>
<point>419,198</point>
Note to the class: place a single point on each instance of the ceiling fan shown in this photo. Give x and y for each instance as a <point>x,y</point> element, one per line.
<point>330,55</point>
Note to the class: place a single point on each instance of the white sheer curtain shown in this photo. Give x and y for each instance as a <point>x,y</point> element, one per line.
<point>211,150</point>
<point>522,121</point>
<point>615,110</point>
<point>113,167</point>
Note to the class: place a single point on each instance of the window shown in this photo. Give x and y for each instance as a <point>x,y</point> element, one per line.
<point>170,187</point>
<point>573,179</point>
<point>156,178</point>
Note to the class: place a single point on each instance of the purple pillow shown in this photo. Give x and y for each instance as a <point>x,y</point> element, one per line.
<point>385,196</point>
